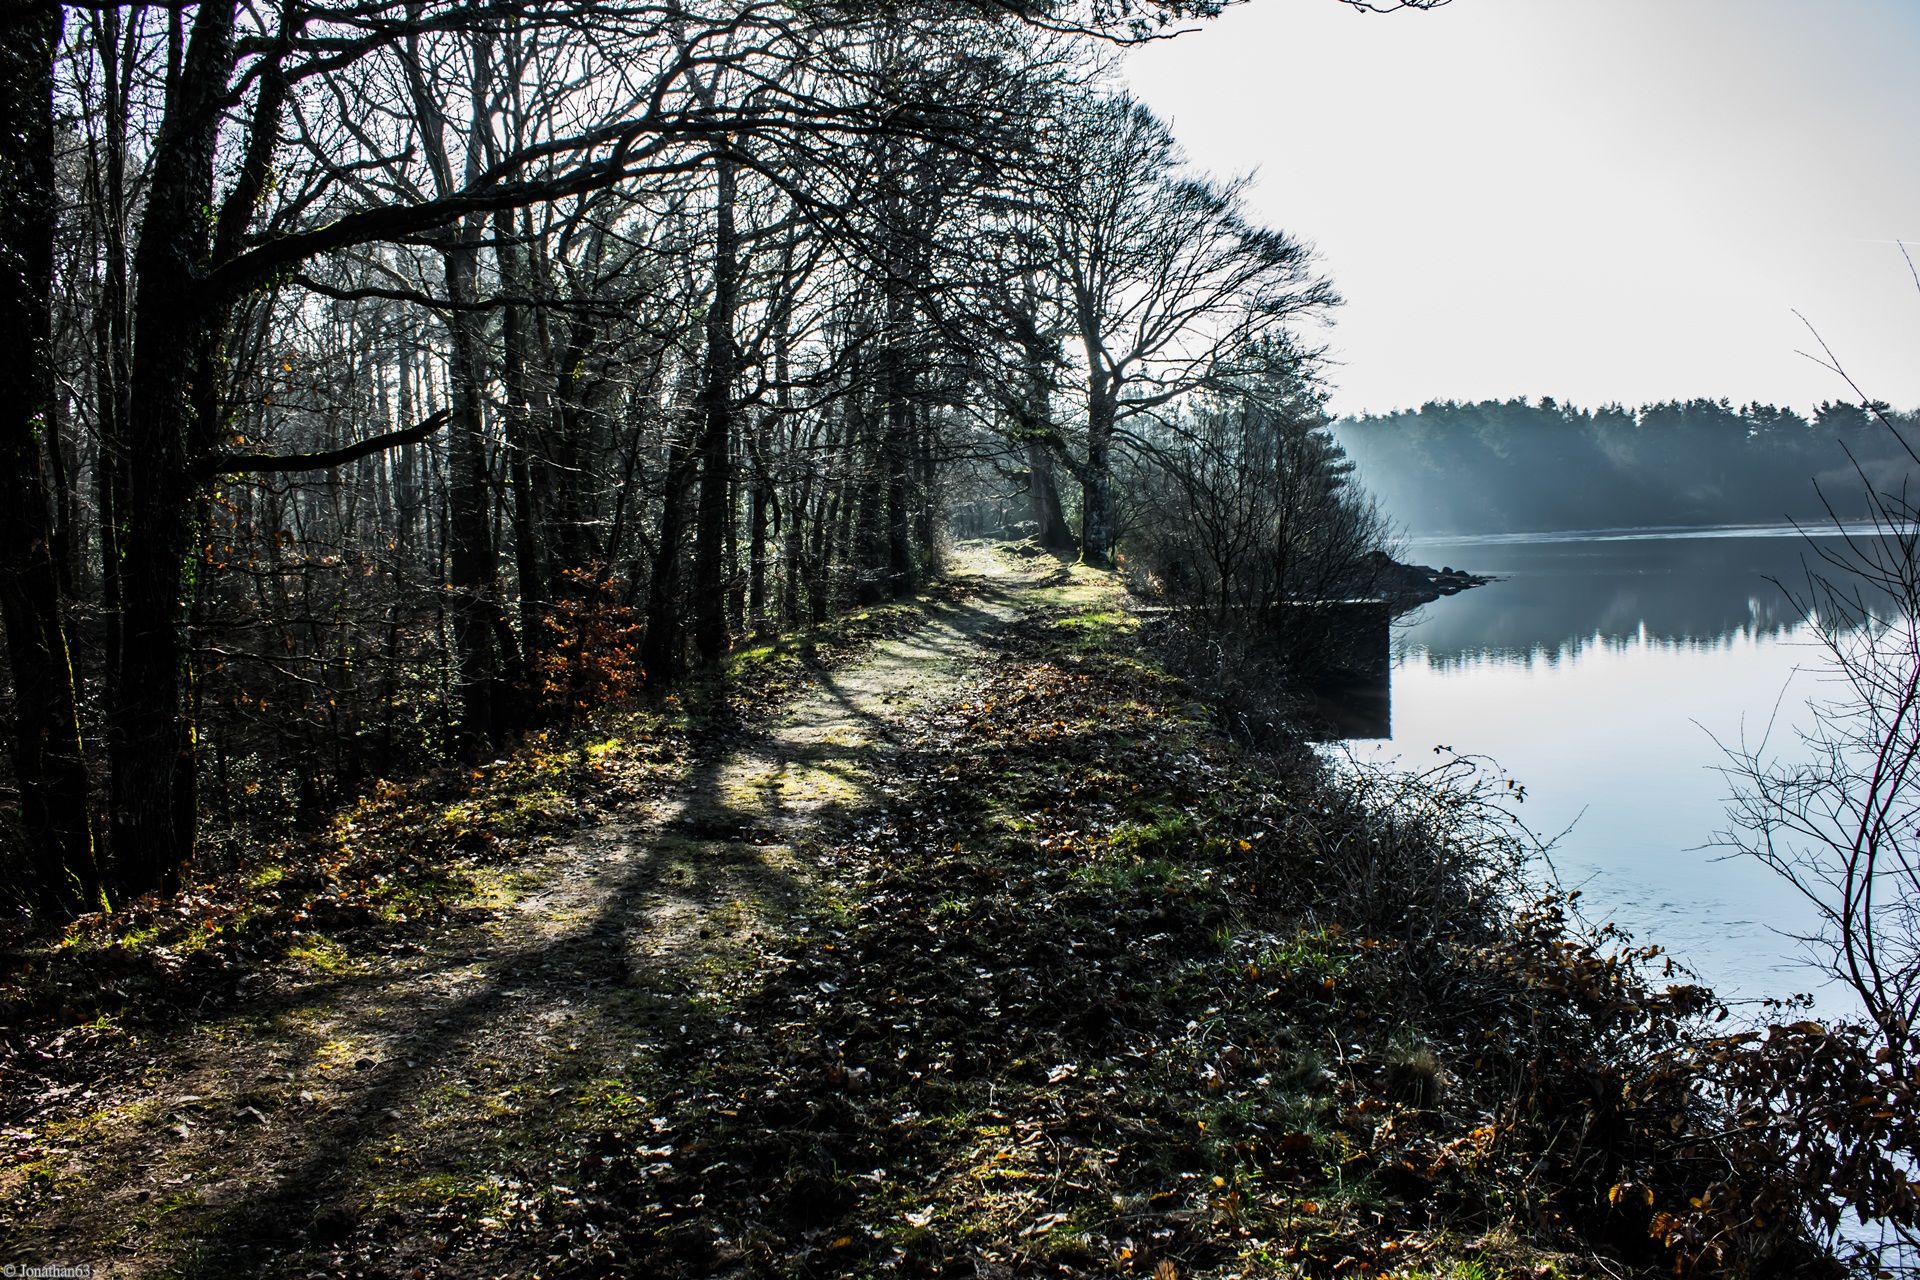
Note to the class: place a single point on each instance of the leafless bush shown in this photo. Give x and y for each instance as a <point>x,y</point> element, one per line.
<point>1838,819</point>
<point>1250,531</point>
<point>1420,855</point>
<point>1237,670</point>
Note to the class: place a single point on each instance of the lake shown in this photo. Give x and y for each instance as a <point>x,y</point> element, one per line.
<point>1598,672</point>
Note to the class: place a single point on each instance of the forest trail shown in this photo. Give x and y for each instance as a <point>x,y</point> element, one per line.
<point>393,1097</point>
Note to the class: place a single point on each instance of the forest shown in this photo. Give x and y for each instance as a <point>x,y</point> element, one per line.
<point>408,377</point>
<point>1510,466</point>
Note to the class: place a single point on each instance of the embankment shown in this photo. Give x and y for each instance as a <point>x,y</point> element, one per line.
<point>976,949</point>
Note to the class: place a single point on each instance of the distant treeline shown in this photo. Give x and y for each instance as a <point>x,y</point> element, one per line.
<point>1516,465</point>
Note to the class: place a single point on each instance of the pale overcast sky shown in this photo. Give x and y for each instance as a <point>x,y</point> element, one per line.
<point>1590,199</point>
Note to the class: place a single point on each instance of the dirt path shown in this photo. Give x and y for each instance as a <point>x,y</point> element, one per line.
<point>374,1104</point>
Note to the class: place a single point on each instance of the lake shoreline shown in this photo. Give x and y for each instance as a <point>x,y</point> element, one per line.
<point>1052,968</point>
<point>1408,586</point>
<point>1586,644</point>
<point>1635,533</point>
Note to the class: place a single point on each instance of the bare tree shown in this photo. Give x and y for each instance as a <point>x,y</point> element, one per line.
<point>1249,513</point>
<point>1162,274</point>
<point>1839,818</point>
<point>646,121</point>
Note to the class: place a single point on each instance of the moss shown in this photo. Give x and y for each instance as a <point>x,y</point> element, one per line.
<point>496,888</point>
<point>613,1098</point>
<point>469,1192</point>
<point>1095,630</point>
<point>172,1205</point>
<point>745,658</point>
<point>1129,873</point>
<point>801,783</point>
<point>336,1054</point>
<point>462,813</point>
<point>322,954</point>
<point>1163,833</point>
<point>96,1124</point>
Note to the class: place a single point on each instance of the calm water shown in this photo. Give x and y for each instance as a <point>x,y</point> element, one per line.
<point>1598,672</point>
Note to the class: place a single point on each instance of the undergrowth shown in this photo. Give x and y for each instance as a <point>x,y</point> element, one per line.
<point>1086,990</point>
<point>1114,997</point>
<point>406,861</point>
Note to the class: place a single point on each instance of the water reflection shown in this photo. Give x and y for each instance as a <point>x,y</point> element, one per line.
<point>1599,671</point>
<point>1556,598</point>
<point>1350,708</point>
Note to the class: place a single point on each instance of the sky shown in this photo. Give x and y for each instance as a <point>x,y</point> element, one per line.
<point>1596,200</point>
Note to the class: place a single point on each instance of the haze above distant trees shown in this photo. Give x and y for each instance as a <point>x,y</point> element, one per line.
<point>1520,466</point>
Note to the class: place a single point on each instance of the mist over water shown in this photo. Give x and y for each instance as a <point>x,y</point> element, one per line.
<point>1599,672</point>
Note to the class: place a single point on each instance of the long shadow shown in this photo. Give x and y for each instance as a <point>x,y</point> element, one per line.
<point>305,1205</point>
<point>312,1203</point>
<point>960,1007</point>
<point>961,1023</point>
<point>966,620</point>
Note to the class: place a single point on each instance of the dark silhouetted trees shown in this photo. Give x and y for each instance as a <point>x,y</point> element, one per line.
<point>388,377</point>
<point>1499,466</point>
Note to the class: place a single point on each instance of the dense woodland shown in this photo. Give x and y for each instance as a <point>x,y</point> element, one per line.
<point>406,375</point>
<point>1517,465</point>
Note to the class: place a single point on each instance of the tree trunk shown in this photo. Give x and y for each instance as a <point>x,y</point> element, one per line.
<point>471,561</point>
<point>710,637</point>
<point>172,414</point>
<point>735,580</point>
<point>1043,499</point>
<point>522,465</point>
<point>759,509</point>
<point>926,505</point>
<point>868,505</point>
<point>113,360</point>
<point>660,648</point>
<point>794,511</point>
<point>1096,486</point>
<point>62,875</point>
<point>897,439</point>
<point>1043,491</point>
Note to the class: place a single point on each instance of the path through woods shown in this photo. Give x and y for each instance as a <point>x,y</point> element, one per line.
<point>373,1097</point>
